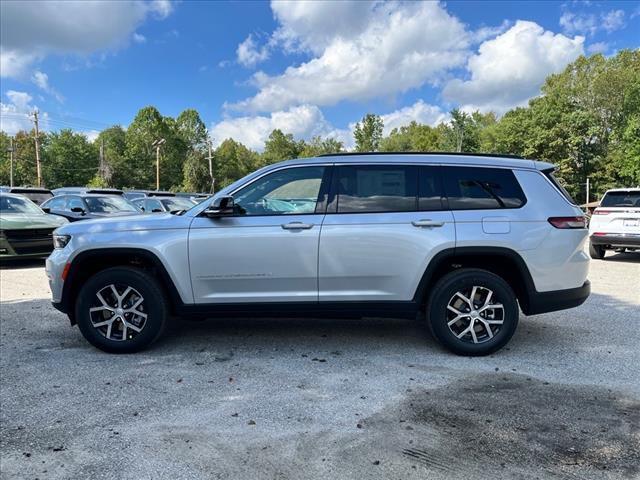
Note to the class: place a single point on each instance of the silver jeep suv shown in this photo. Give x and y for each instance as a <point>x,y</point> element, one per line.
<point>464,241</point>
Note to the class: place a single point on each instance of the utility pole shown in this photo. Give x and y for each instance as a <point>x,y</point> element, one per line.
<point>211,165</point>
<point>11,163</point>
<point>587,190</point>
<point>157,144</point>
<point>102,172</point>
<point>38,168</point>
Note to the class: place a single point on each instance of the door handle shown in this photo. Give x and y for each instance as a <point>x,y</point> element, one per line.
<point>426,223</point>
<point>297,226</point>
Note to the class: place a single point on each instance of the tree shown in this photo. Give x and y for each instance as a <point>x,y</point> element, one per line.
<point>414,137</point>
<point>191,129</point>
<point>196,172</point>
<point>319,146</point>
<point>233,161</point>
<point>115,165</point>
<point>140,171</point>
<point>280,147</point>
<point>70,159</point>
<point>368,133</point>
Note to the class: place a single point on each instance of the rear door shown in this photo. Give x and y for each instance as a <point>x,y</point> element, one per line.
<point>384,223</point>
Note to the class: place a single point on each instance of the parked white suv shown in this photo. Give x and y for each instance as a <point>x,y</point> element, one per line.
<point>615,224</point>
<point>463,239</point>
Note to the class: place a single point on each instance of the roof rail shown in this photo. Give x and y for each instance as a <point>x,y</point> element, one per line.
<point>467,154</point>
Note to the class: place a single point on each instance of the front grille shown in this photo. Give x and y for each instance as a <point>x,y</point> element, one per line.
<point>30,240</point>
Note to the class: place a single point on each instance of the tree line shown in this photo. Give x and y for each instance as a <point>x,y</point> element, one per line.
<point>586,122</point>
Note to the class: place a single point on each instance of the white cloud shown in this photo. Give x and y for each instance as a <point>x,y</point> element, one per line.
<point>598,47</point>
<point>139,38</point>
<point>589,23</point>
<point>303,121</point>
<point>91,134</point>
<point>510,69</point>
<point>248,53</point>
<point>360,51</point>
<point>420,112</point>
<point>31,30</point>
<point>15,114</point>
<point>42,82</point>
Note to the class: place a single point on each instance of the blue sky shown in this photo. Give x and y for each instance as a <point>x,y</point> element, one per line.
<point>307,68</point>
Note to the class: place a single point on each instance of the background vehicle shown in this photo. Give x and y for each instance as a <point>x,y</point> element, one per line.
<point>81,190</point>
<point>35,194</point>
<point>135,194</point>
<point>25,230</point>
<point>615,224</point>
<point>465,239</point>
<point>89,205</point>
<point>196,198</point>
<point>163,204</point>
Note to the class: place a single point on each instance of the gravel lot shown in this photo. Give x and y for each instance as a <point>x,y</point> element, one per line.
<point>309,399</point>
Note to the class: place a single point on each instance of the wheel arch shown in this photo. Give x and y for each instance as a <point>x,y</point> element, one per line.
<point>89,262</point>
<point>504,262</point>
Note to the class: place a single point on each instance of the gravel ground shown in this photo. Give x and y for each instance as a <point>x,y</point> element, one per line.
<point>309,399</point>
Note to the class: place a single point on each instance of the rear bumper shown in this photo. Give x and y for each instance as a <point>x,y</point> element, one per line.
<point>543,302</point>
<point>631,240</point>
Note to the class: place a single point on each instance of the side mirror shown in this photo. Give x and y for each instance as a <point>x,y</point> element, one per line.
<point>221,207</point>
<point>46,209</point>
<point>156,210</point>
<point>78,210</point>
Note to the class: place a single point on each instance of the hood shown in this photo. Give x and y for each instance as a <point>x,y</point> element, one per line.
<point>16,221</point>
<point>135,222</point>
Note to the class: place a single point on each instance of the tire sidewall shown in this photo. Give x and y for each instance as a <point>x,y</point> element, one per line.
<point>154,303</point>
<point>460,280</point>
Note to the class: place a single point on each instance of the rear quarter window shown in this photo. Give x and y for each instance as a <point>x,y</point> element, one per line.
<point>474,188</point>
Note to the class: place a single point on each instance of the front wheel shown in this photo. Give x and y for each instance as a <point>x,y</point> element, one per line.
<point>121,310</point>
<point>472,312</point>
<point>596,251</point>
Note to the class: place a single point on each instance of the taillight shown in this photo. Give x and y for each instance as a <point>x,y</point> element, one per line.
<point>568,222</point>
<point>598,211</point>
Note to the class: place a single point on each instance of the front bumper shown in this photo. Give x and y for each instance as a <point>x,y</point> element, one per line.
<point>544,302</point>
<point>631,240</point>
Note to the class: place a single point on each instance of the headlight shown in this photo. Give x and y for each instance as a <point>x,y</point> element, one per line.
<point>60,241</point>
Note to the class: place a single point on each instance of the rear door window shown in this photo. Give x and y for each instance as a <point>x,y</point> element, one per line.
<point>475,188</point>
<point>376,188</point>
<point>56,203</point>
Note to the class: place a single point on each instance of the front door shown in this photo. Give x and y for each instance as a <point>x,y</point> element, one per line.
<point>268,250</point>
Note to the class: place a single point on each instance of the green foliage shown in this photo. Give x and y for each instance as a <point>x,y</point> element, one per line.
<point>196,173</point>
<point>368,133</point>
<point>320,146</point>
<point>232,161</point>
<point>56,168</point>
<point>414,137</point>
<point>280,147</point>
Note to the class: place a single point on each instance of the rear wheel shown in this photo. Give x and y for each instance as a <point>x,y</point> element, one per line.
<point>472,312</point>
<point>121,310</point>
<point>596,251</point>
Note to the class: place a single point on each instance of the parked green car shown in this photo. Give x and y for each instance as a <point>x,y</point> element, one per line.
<point>25,230</point>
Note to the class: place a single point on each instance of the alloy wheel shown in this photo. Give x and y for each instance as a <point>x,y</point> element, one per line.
<point>118,312</point>
<point>475,315</point>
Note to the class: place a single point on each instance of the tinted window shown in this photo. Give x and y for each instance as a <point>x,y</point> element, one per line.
<point>470,188</point>
<point>430,189</point>
<point>152,205</point>
<point>75,202</point>
<point>56,203</point>
<point>621,199</point>
<point>293,191</point>
<point>111,204</point>
<point>376,188</point>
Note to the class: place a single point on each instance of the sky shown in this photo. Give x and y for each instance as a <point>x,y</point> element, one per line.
<point>308,68</point>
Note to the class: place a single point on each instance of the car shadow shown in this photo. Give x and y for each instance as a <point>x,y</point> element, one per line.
<point>612,256</point>
<point>19,263</point>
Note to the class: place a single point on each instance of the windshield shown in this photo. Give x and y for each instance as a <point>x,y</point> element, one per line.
<point>18,205</point>
<point>621,199</point>
<point>176,203</point>
<point>109,205</point>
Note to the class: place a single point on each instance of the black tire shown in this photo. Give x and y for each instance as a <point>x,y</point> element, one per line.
<point>154,306</point>
<point>596,251</point>
<point>463,280</point>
